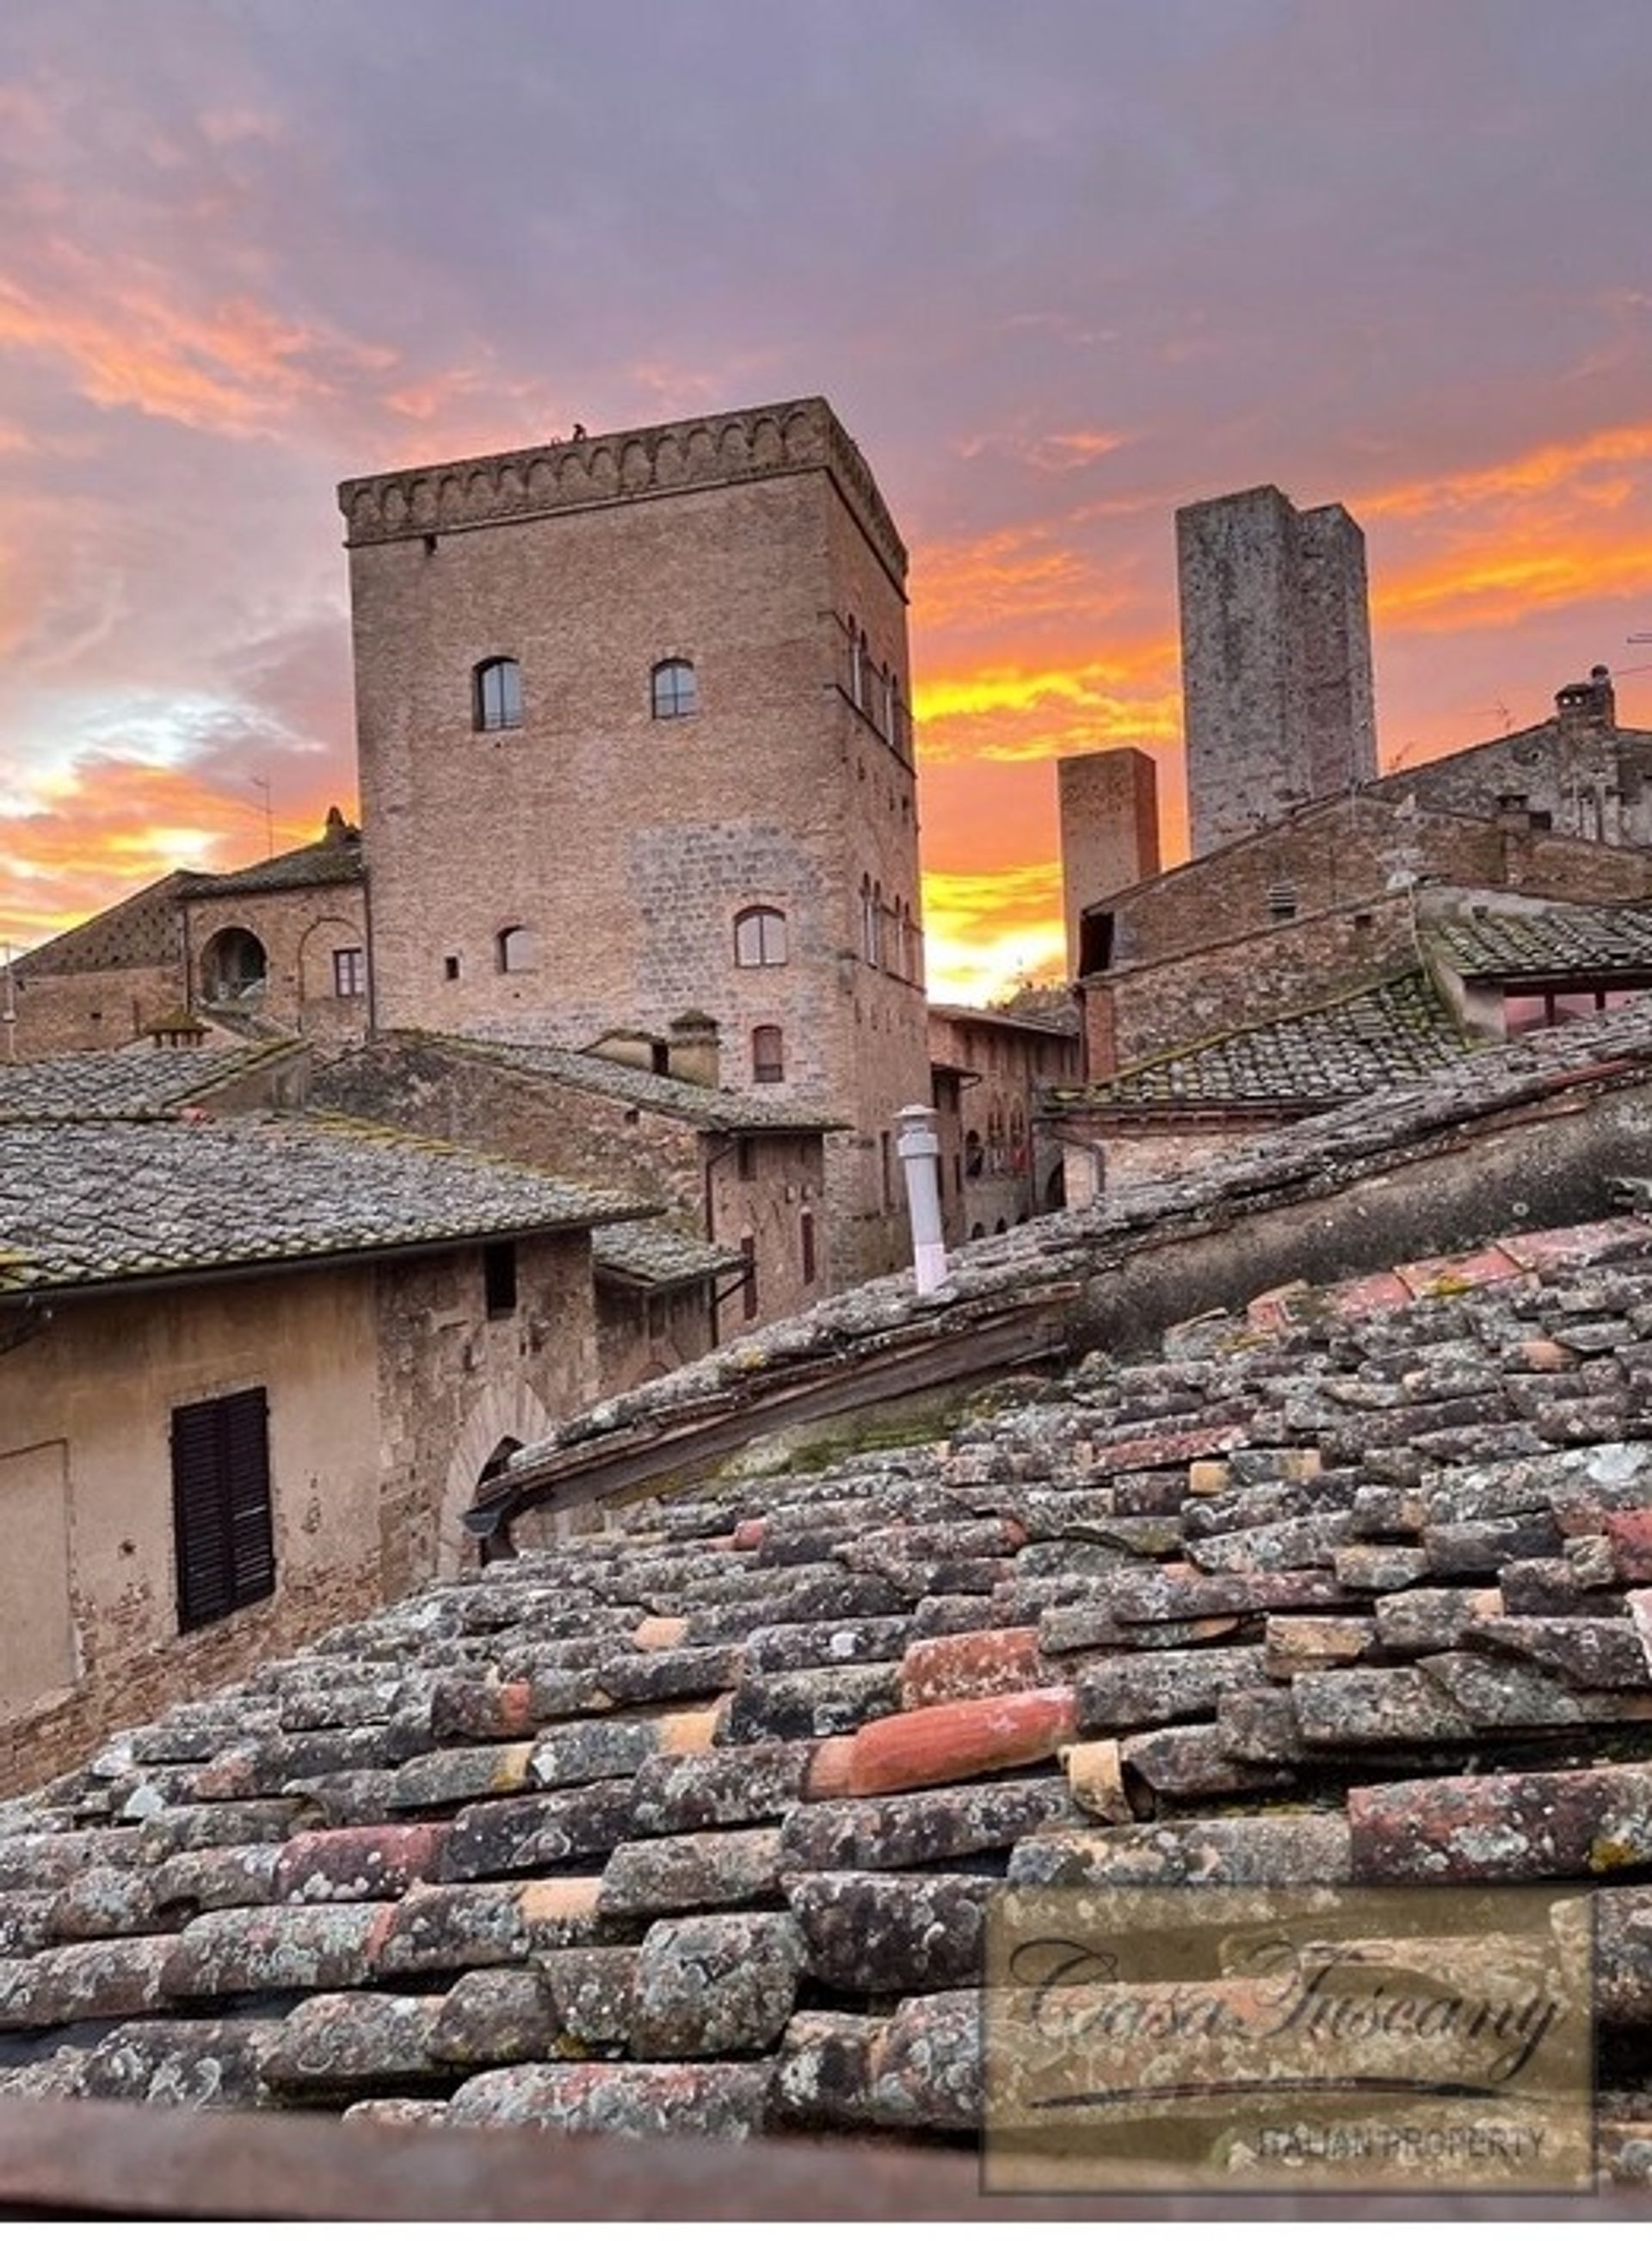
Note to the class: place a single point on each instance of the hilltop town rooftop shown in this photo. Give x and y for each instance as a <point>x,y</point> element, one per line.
<point>688,1818</point>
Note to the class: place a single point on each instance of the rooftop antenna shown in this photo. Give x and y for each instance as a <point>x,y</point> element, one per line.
<point>262,785</point>
<point>9,1009</point>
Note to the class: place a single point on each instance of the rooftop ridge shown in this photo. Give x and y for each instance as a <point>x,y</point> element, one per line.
<point>697,453</point>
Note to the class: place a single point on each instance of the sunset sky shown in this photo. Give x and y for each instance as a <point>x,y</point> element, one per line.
<point>1061,266</point>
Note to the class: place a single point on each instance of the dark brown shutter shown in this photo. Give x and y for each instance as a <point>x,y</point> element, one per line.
<point>222,1528</point>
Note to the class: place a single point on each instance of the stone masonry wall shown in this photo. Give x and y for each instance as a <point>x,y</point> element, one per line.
<point>626,844</point>
<point>1350,851</point>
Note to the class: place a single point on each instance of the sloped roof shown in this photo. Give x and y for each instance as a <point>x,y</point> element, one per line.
<point>1344,1048</point>
<point>141,930</point>
<point>691,1824</point>
<point>327,862</point>
<point>651,1253</point>
<point>127,1085</point>
<point>721,1109</point>
<point>1557,940</point>
<point>100,1202</point>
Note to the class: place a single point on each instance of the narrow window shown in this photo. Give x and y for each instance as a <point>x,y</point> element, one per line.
<point>516,949</point>
<point>748,1285</point>
<point>768,1054</point>
<point>450,968</point>
<point>745,1158</point>
<point>805,1228</point>
<point>350,973</point>
<point>498,1278</point>
<point>1281,901</point>
<point>223,1527</point>
<point>854,664</point>
<point>675,690</point>
<point>860,668</point>
<point>868,922</point>
<point>760,936</point>
<point>876,953</point>
<point>497,695</point>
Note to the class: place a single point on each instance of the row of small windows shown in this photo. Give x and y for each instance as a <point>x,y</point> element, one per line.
<point>760,940</point>
<point>875,690</point>
<point>889,938</point>
<point>496,686</point>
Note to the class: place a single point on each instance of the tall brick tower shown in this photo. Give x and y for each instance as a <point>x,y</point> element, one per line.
<point>1275,660</point>
<point>634,734</point>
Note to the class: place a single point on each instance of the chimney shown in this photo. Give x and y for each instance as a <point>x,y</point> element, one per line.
<point>1591,703</point>
<point>694,1049</point>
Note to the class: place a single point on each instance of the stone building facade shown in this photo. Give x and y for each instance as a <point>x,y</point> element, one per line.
<point>634,740</point>
<point>390,1319</point>
<point>1276,658</point>
<point>1003,1171</point>
<point>278,944</point>
<point>734,1174</point>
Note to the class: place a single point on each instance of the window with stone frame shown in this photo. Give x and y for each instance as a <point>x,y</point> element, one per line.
<point>768,1054</point>
<point>350,973</point>
<point>497,687</point>
<point>760,936</point>
<point>675,690</point>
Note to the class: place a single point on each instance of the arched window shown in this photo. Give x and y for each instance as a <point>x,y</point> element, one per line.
<point>760,936</point>
<point>497,689</point>
<point>675,691</point>
<point>516,949</point>
<point>768,1054</point>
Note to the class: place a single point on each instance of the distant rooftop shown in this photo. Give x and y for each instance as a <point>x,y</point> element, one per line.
<point>1394,1032</point>
<point>725,1110</point>
<point>96,1201</point>
<point>122,1084</point>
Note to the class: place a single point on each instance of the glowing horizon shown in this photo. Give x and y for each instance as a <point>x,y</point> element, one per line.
<point>1059,276</point>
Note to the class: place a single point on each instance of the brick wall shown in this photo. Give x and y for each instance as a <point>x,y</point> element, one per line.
<point>628,844</point>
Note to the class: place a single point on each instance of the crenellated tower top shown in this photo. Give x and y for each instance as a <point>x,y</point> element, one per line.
<point>597,471</point>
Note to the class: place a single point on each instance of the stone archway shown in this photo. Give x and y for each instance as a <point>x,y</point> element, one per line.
<point>509,1415</point>
<point>234,965</point>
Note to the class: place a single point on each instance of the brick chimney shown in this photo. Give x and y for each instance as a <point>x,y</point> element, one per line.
<point>1590,703</point>
<point>695,1050</point>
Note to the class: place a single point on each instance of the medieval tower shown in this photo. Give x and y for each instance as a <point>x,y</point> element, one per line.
<point>1276,661</point>
<point>636,747</point>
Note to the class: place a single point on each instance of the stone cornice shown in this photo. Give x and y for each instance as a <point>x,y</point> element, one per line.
<point>697,454</point>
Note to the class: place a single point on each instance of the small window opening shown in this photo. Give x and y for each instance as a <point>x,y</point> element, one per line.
<point>516,949</point>
<point>350,973</point>
<point>498,1277</point>
<point>676,690</point>
<point>748,1285</point>
<point>497,686</point>
<point>760,936</point>
<point>450,968</point>
<point>805,1230</point>
<point>768,1054</point>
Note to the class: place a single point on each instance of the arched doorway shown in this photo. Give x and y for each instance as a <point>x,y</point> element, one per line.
<point>498,1542</point>
<point>234,966</point>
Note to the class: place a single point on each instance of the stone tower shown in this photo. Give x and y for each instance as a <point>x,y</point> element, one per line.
<point>1109,825</point>
<point>634,734</point>
<point>1275,660</point>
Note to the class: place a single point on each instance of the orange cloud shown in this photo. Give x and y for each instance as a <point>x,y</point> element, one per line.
<point>985,932</point>
<point>1501,582</point>
<point>1547,467</point>
<point>110,827</point>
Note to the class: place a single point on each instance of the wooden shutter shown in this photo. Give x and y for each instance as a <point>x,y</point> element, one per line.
<point>223,1527</point>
